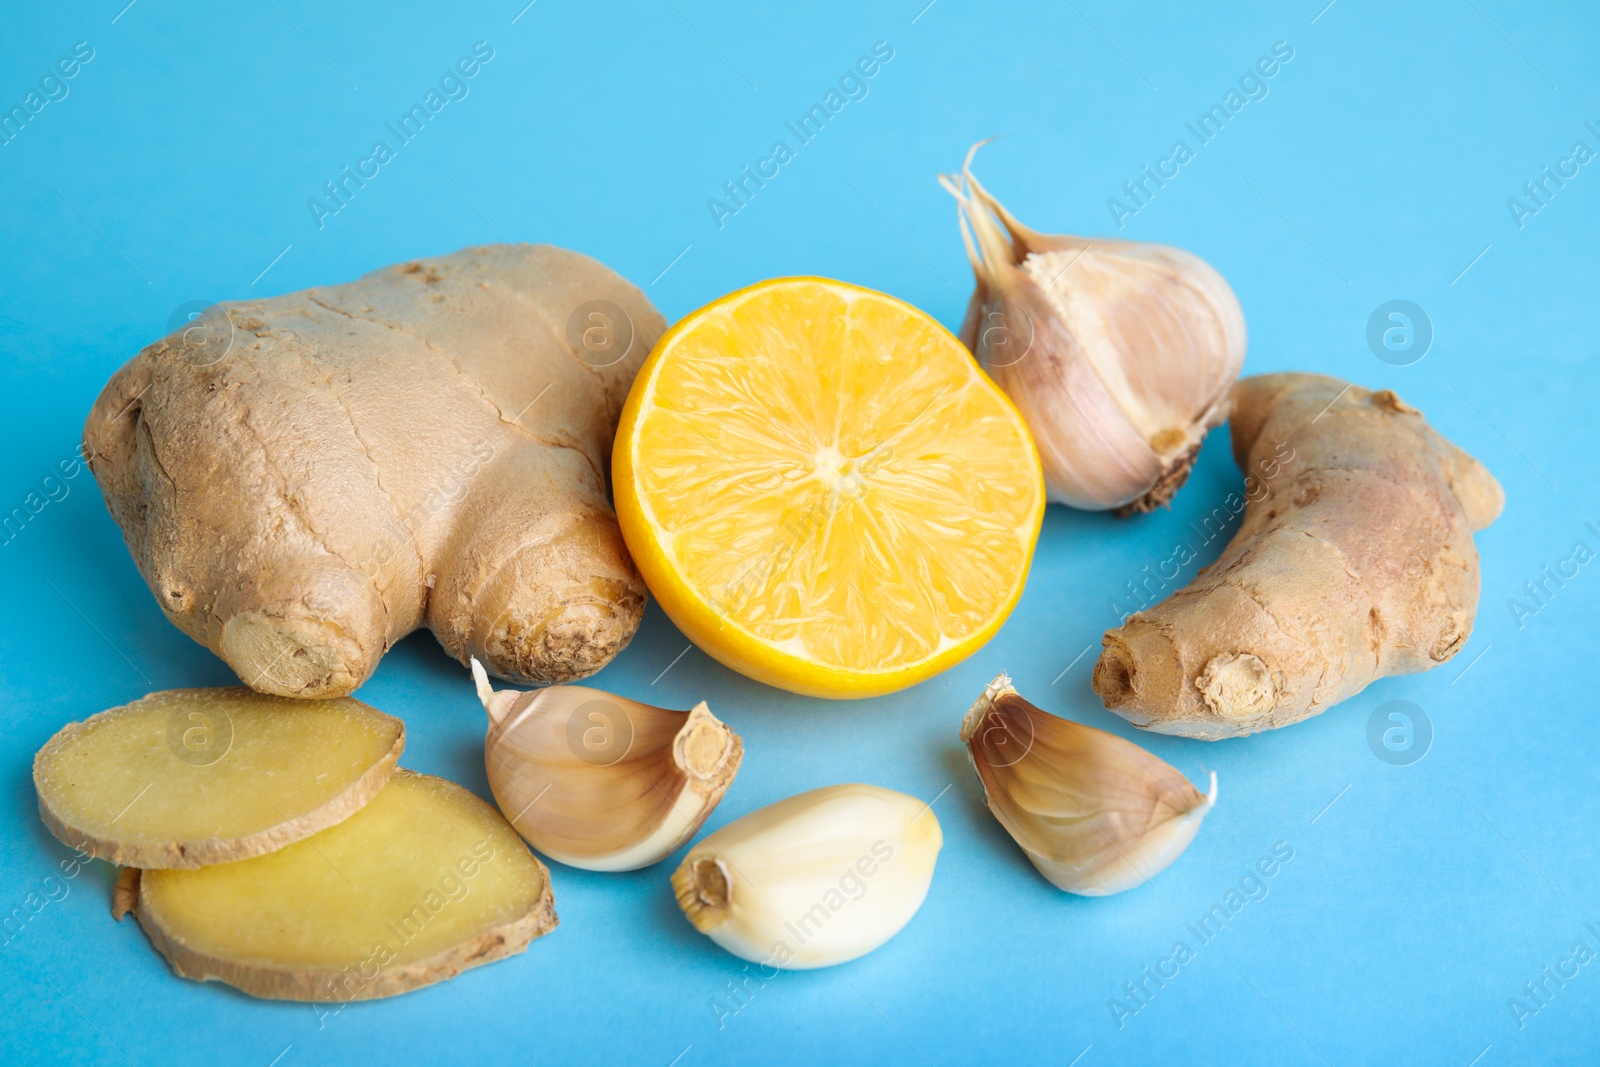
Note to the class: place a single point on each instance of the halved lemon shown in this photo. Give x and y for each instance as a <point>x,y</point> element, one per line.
<point>823,490</point>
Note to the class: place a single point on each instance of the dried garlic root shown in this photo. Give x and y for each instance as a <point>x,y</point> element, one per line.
<point>1096,814</point>
<point>421,884</point>
<point>190,777</point>
<point>814,880</point>
<point>599,781</point>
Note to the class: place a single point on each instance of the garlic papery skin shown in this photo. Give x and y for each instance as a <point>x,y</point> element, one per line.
<point>599,781</point>
<point>1096,814</point>
<point>1120,355</point>
<point>814,880</point>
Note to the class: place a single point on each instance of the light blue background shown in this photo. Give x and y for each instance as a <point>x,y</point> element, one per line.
<point>1378,168</point>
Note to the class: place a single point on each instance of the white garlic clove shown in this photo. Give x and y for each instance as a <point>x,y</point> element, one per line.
<point>1096,814</point>
<point>814,880</point>
<point>599,781</point>
<point>1119,354</point>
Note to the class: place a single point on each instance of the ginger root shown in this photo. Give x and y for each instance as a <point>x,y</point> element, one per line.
<point>421,884</point>
<point>305,480</point>
<point>1354,561</point>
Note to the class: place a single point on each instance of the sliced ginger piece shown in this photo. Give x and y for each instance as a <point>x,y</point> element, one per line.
<point>422,883</point>
<point>189,777</point>
<point>125,894</point>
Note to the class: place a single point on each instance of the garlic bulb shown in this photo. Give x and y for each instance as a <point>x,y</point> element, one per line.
<point>600,781</point>
<point>815,880</point>
<point>1119,355</point>
<point>1096,814</point>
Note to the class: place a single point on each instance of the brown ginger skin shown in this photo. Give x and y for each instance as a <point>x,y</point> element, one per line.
<point>420,447</point>
<point>1354,561</point>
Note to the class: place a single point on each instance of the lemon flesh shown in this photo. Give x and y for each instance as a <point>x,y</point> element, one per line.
<point>824,491</point>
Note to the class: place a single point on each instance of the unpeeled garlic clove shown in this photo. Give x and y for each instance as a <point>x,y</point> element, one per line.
<point>814,880</point>
<point>600,781</point>
<point>1096,814</point>
<point>1119,354</point>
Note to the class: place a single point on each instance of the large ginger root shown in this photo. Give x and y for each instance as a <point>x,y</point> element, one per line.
<point>426,446</point>
<point>1355,561</point>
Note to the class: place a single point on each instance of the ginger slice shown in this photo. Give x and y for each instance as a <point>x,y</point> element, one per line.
<point>125,894</point>
<point>422,883</point>
<point>190,777</point>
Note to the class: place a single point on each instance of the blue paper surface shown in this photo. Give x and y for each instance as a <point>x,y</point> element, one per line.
<point>1425,900</point>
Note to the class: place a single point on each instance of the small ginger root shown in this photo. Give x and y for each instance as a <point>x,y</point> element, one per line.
<point>421,884</point>
<point>1355,561</point>
<point>305,480</point>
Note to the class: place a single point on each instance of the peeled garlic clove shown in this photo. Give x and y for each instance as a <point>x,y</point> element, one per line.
<point>1096,814</point>
<point>1119,355</point>
<point>600,781</point>
<point>815,880</point>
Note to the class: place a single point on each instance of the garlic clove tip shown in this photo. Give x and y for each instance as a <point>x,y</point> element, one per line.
<point>704,748</point>
<point>497,704</point>
<point>480,678</point>
<point>980,707</point>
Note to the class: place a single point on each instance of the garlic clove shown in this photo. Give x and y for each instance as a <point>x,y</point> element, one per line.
<point>599,781</point>
<point>1119,354</point>
<point>818,879</point>
<point>1095,813</point>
